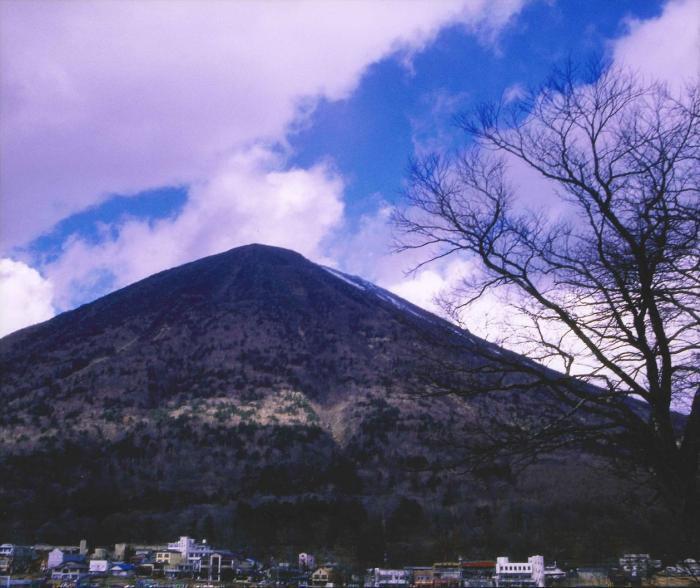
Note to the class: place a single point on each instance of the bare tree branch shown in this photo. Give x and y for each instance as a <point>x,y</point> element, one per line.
<point>611,292</point>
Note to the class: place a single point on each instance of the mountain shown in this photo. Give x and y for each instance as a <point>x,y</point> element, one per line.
<point>262,400</point>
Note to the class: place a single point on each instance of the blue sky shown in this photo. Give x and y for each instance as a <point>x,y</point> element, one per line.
<point>369,136</point>
<point>140,155</point>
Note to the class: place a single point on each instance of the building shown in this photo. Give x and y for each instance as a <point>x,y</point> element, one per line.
<point>447,575</point>
<point>638,565</point>
<point>100,553</point>
<point>478,574</point>
<point>521,574</point>
<point>192,552</point>
<point>420,576</point>
<point>553,574</point>
<point>247,568</point>
<point>181,570</point>
<point>384,578</point>
<point>16,558</point>
<point>324,577</point>
<point>174,563</point>
<point>218,566</point>
<point>120,550</point>
<point>122,570</point>
<point>169,557</point>
<point>307,561</point>
<point>61,555</point>
<point>99,567</point>
<point>70,571</point>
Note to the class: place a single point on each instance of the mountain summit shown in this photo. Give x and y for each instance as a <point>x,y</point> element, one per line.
<point>260,399</point>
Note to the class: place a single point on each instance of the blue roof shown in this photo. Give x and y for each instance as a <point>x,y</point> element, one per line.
<point>73,557</point>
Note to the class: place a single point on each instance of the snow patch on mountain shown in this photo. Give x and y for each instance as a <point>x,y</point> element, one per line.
<point>382,294</point>
<point>352,280</point>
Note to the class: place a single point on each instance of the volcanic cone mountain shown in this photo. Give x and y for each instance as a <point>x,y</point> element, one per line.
<point>262,400</point>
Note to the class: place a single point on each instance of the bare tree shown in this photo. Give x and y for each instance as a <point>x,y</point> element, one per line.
<point>611,287</point>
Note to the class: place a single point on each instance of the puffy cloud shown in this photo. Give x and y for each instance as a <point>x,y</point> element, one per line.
<point>252,197</point>
<point>665,48</point>
<point>117,97</point>
<point>514,92</point>
<point>25,297</point>
<point>370,252</point>
<point>675,59</point>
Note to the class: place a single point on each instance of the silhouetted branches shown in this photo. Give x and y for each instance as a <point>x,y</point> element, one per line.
<point>608,291</point>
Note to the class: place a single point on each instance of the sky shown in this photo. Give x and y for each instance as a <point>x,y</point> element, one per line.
<point>136,136</point>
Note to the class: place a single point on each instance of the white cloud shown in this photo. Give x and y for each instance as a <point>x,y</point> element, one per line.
<point>252,197</point>
<point>514,92</point>
<point>25,297</point>
<point>370,252</point>
<point>665,48</point>
<point>117,97</point>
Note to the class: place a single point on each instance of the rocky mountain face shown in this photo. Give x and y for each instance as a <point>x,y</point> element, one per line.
<point>261,400</point>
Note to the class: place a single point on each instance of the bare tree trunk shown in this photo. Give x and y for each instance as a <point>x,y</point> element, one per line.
<point>612,291</point>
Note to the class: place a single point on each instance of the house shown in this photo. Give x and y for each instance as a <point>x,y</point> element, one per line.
<point>99,567</point>
<point>173,564</point>
<point>145,569</point>
<point>218,566</point>
<point>61,555</point>
<point>447,575</point>
<point>553,574</point>
<point>420,576</point>
<point>169,557</point>
<point>122,570</point>
<point>478,574</point>
<point>16,558</point>
<point>324,577</point>
<point>530,573</point>
<point>70,571</point>
<point>385,578</point>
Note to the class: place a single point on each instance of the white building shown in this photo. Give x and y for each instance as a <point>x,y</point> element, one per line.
<point>99,566</point>
<point>530,573</point>
<point>381,578</point>
<point>71,571</point>
<point>307,561</point>
<point>191,551</point>
<point>639,565</point>
<point>59,556</point>
<point>184,545</point>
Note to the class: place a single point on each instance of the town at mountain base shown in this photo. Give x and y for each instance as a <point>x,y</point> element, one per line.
<point>188,562</point>
<point>264,401</point>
